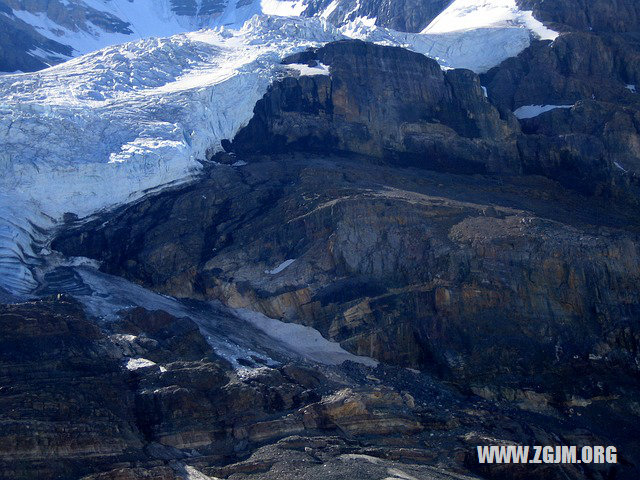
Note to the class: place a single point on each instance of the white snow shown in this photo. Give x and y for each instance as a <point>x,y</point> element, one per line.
<point>632,88</point>
<point>280,267</point>
<point>463,15</point>
<point>303,340</point>
<point>330,9</point>
<point>303,69</point>
<point>620,167</point>
<point>136,363</point>
<point>478,49</point>
<point>475,34</point>
<point>283,8</point>
<point>530,111</point>
<point>146,19</point>
<point>233,334</point>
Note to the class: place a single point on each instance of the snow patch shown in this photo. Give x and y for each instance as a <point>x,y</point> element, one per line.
<point>233,334</point>
<point>303,340</point>
<point>530,111</point>
<point>124,336</point>
<point>136,363</point>
<point>620,167</point>
<point>330,9</point>
<point>280,267</point>
<point>283,8</point>
<point>302,69</point>
<point>632,88</point>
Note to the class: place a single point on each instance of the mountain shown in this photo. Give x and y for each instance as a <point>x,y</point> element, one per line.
<point>318,239</point>
<point>115,123</point>
<point>38,34</point>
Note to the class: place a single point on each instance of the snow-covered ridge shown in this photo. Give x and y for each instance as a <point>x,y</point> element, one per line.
<point>473,34</point>
<point>89,25</point>
<point>463,15</point>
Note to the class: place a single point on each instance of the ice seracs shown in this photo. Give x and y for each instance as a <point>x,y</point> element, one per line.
<point>105,128</point>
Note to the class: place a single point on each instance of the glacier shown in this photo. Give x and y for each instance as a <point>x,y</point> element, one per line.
<point>105,128</point>
<point>108,127</point>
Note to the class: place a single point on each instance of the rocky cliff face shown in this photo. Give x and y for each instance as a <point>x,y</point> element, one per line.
<point>598,15</point>
<point>592,68</point>
<point>513,287</point>
<point>18,38</point>
<point>386,103</point>
<point>65,398</point>
<point>401,15</point>
<point>146,397</point>
<point>386,258</point>
<point>399,107</point>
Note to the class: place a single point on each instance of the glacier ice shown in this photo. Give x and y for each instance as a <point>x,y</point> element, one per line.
<point>104,128</point>
<point>465,15</point>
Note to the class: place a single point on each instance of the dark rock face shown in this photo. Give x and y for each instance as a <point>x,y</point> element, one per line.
<point>188,414</point>
<point>65,402</point>
<point>520,292</point>
<point>515,289</point>
<point>592,147</point>
<point>598,15</point>
<point>577,66</point>
<point>70,407</point>
<point>399,107</point>
<point>520,289</point>
<point>386,103</point>
<point>18,38</point>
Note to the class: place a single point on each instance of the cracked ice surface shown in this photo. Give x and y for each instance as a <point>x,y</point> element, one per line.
<point>99,130</point>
